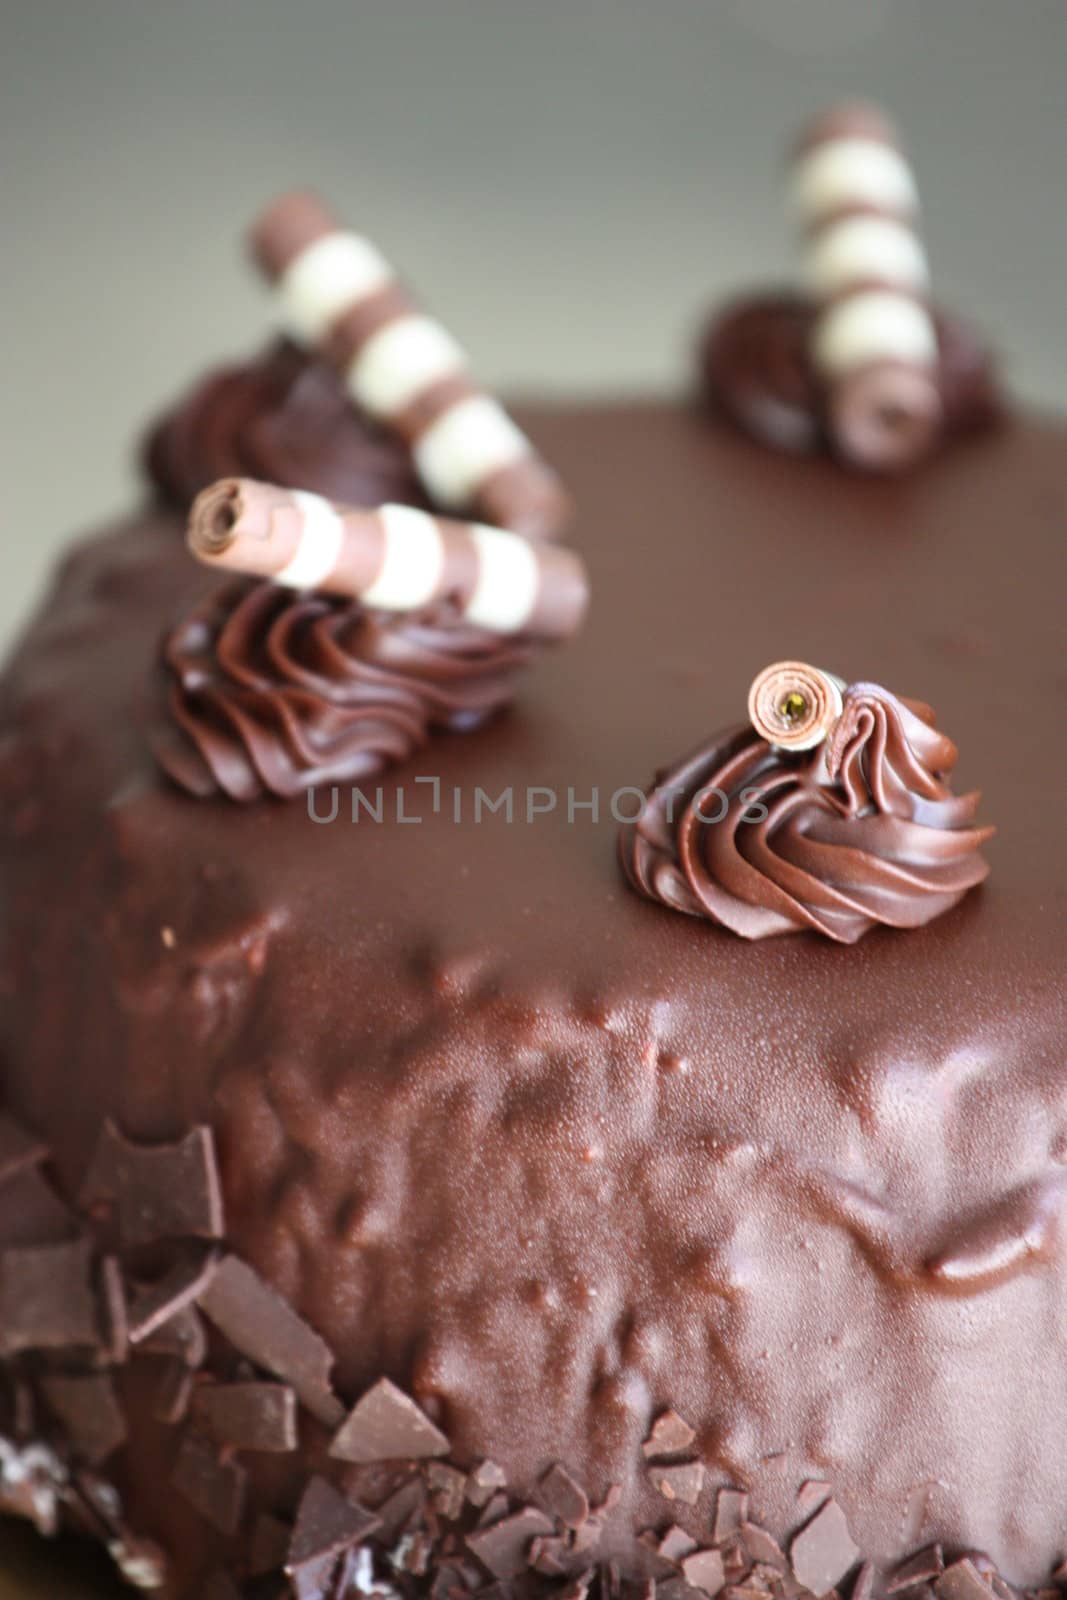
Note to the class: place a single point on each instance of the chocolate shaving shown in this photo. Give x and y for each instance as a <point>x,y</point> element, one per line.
<point>387,1425</point>
<point>863,1588</point>
<point>503,1548</point>
<point>813,1492</point>
<point>731,1511</point>
<point>154,1305</point>
<point>399,1510</point>
<point>448,1489</point>
<point>962,1581</point>
<point>823,1553</point>
<point>46,1298</point>
<point>89,1411</point>
<point>486,1479</point>
<point>164,1191</point>
<point>919,1568</point>
<point>113,1302</point>
<point>214,1486</point>
<point>682,1483</point>
<point>705,1570</point>
<point>247,1416</point>
<point>761,1547</point>
<point>564,1497</point>
<point>675,1544</point>
<point>669,1435</point>
<point>326,1526</point>
<point>173,1394</point>
<point>266,1329</point>
<point>183,1335</point>
<point>18,1149</point>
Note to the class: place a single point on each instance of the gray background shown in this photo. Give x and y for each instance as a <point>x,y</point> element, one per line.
<point>570,181</point>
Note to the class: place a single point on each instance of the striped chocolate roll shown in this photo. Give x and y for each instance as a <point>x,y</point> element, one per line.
<point>339,295</point>
<point>873,344</point>
<point>394,558</point>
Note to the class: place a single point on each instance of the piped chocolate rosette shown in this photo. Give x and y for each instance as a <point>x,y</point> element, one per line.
<point>831,811</point>
<point>371,624</point>
<point>861,363</point>
<point>371,628</point>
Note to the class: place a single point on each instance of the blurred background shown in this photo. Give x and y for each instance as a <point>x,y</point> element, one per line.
<point>571,183</point>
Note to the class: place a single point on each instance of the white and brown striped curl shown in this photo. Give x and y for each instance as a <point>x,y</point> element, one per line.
<point>338,295</point>
<point>392,558</point>
<point>874,344</point>
<point>794,706</point>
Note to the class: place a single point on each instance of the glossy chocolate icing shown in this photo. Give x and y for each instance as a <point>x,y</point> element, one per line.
<point>553,1157</point>
<point>860,831</point>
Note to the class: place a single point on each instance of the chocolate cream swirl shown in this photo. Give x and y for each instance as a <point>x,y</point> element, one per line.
<point>284,418</point>
<point>275,692</point>
<point>861,831</point>
<point>755,368</point>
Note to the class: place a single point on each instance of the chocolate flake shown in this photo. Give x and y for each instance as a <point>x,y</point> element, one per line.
<point>962,1581</point>
<point>327,1524</point>
<point>385,1424</point>
<point>266,1329</point>
<point>922,1567</point>
<point>18,1149</point>
<point>731,1511</point>
<point>668,1436</point>
<point>182,1335</point>
<point>268,1545</point>
<point>761,1547</point>
<point>486,1479</point>
<point>675,1544</point>
<point>863,1588</point>
<point>113,1301</point>
<point>46,1298</point>
<point>682,1483</point>
<point>163,1191</point>
<point>448,1489</point>
<point>564,1497</point>
<point>153,1305</point>
<point>503,1548</point>
<point>704,1570</point>
<point>823,1553</point>
<point>214,1486</point>
<point>89,1411</point>
<point>248,1416</point>
<point>813,1493</point>
<point>173,1394</point>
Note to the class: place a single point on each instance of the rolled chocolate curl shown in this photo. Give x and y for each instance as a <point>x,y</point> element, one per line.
<point>873,344</point>
<point>338,295</point>
<point>393,558</point>
<point>794,706</point>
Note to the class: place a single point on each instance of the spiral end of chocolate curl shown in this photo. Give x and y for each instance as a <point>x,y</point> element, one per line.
<point>794,706</point>
<point>213,519</point>
<point>887,418</point>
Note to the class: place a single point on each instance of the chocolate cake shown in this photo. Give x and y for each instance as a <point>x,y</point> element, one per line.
<point>396,1202</point>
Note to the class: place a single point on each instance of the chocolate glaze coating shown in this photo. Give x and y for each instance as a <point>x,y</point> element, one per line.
<point>553,1157</point>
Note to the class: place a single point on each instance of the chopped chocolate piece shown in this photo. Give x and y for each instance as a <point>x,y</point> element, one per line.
<point>357,1577</point>
<point>113,1301</point>
<point>761,1547</point>
<point>152,1305</point>
<point>863,1588</point>
<point>668,1435</point>
<point>214,1486</point>
<point>32,1481</point>
<point>140,1561</point>
<point>548,1555</point>
<point>961,1581</point>
<point>494,1510</point>
<point>327,1525</point>
<point>682,1483</point>
<point>266,1329</point>
<point>89,1411</point>
<point>587,1535</point>
<point>484,1482</point>
<point>704,1570</point>
<point>731,1510</point>
<point>503,1548</point>
<point>579,1586</point>
<point>46,1298</point>
<point>565,1498</point>
<point>385,1424</point>
<point>448,1489</point>
<point>823,1552</point>
<point>173,1394</point>
<point>18,1149</point>
<point>813,1493</point>
<point>268,1545</point>
<point>182,1335</point>
<point>920,1568</point>
<point>163,1191</point>
<point>247,1416</point>
<point>406,1502</point>
<point>675,1544</point>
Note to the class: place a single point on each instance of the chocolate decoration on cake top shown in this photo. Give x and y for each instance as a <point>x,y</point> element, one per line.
<point>862,364</point>
<point>854,830</point>
<point>339,296</point>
